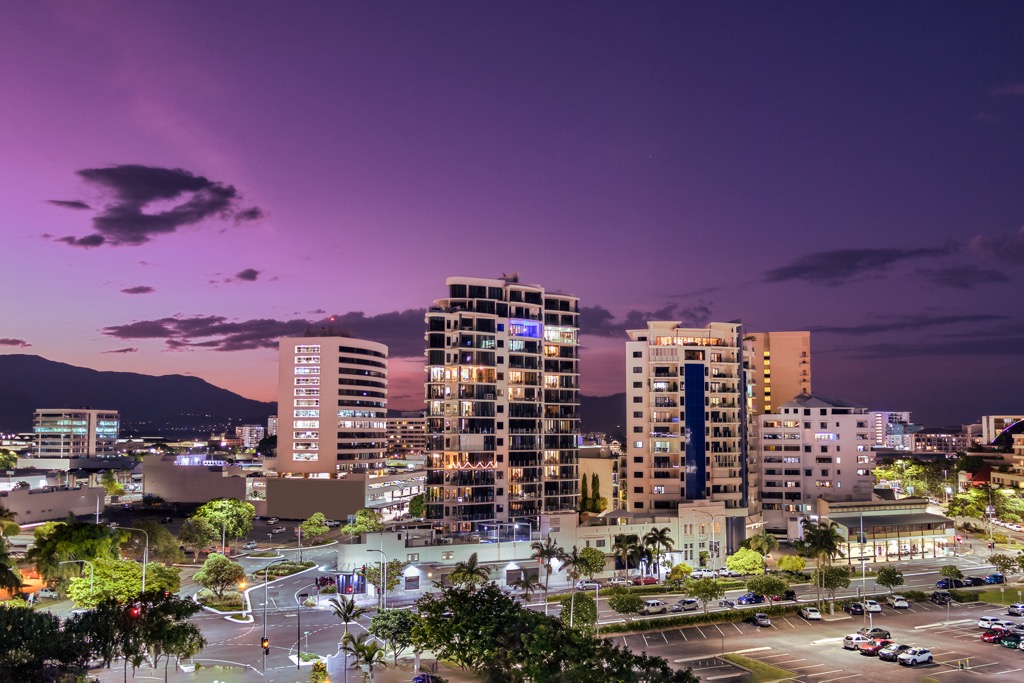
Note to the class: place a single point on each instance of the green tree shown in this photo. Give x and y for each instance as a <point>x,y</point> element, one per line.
<point>579,612</point>
<point>469,573</point>
<point>228,515</point>
<point>364,651</point>
<point>678,575</point>
<point>889,577</point>
<point>625,601</point>
<point>767,585</point>
<point>951,571</point>
<point>591,562</point>
<point>745,561</point>
<point>394,627</point>
<point>598,503</point>
<point>196,533</point>
<point>417,506</point>
<point>1003,563</point>
<point>823,542</point>
<point>8,527</point>
<point>59,542</point>
<point>763,543</point>
<point>659,542</point>
<point>831,578</point>
<point>625,550</point>
<point>395,571</point>
<point>120,580</point>
<point>8,459</point>
<point>527,585</point>
<point>367,522</point>
<point>218,574</point>
<point>584,495</point>
<point>792,563</point>
<point>348,612</point>
<point>318,674</point>
<point>546,553</point>
<point>704,591</point>
<point>315,527</point>
<point>110,483</point>
<point>36,647</point>
<point>163,546</point>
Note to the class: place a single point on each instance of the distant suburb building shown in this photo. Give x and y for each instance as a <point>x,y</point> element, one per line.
<point>502,403</point>
<point>332,399</point>
<point>813,447</point>
<point>407,434</point>
<point>75,432</point>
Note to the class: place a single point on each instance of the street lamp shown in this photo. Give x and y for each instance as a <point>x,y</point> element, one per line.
<point>145,553</point>
<point>383,578</point>
<point>92,570</point>
<point>299,599</point>
<point>266,586</point>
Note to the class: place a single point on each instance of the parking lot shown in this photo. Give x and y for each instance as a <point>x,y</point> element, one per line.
<point>813,651</point>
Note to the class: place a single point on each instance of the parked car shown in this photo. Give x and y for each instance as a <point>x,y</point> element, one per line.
<point>1011,640</point>
<point>810,614</point>
<point>279,530</point>
<point>654,607</point>
<point>946,584</point>
<point>915,656</point>
<point>855,640</point>
<point>645,581</point>
<point>974,581</point>
<point>760,619</point>
<point>872,606</point>
<point>166,520</point>
<point>725,571</point>
<point>891,652</point>
<point>897,602</point>
<point>251,545</point>
<point>272,521</point>
<point>874,647</point>
<point>854,608</point>
<point>332,523</point>
<point>995,578</point>
<point>685,605</point>
<point>426,678</point>
<point>995,622</point>
<point>993,635</point>
<point>750,599</point>
<point>1016,609</point>
<point>587,585</point>
<point>941,598</point>
<point>619,581</point>
<point>788,595</point>
<point>875,632</point>
<point>702,574</point>
<point>47,593</point>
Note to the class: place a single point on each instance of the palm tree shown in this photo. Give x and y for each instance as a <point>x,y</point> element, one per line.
<point>527,585</point>
<point>763,543</point>
<point>658,539</point>
<point>823,542</point>
<point>8,527</point>
<point>573,564</point>
<point>469,573</point>
<point>346,610</point>
<point>364,651</point>
<point>622,549</point>
<point>546,552</point>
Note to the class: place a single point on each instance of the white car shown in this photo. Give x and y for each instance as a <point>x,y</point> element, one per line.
<point>587,585</point>
<point>897,602</point>
<point>272,521</point>
<point>654,607</point>
<point>725,571</point>
<point>251,545</point>
<point>47,593</point>
<point>279,530</point>
<point>810,614</point>
<point>854,641</point>
<point>872,606</point>
<point>332,523</point>
<point>915,656</point>
<point>619,581</point>
<point>702,574</point>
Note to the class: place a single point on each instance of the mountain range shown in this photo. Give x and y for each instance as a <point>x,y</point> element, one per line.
<point>173,404</point>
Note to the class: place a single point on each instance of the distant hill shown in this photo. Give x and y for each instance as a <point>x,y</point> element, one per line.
<point>168,404</point>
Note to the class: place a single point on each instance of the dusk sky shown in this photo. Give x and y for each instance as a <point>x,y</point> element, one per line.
<point>182,183</point>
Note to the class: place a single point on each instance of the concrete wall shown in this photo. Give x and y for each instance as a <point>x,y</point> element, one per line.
<point>299,498</point>
<point>194,484</point>
<point>41,506</point>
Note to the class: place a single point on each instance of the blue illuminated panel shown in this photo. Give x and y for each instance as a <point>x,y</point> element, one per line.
<point>693,392</point>
<point>518,327</point>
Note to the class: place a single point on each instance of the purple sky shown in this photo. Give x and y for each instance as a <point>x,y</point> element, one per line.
<point>182,183</point>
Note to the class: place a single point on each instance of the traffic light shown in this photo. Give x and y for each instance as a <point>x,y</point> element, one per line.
<point>134,611</point>
<point>265,644</point>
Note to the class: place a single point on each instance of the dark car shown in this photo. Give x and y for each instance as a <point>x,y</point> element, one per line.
<point>854,608</point>
<point>874,647</point>
<point>995,578</point>
<point>1011,640</point>
<point>946,584</point>
<point>890,653</point>
<point>941,598</point>
<point>425,678</point>
<point>875,632</point>
<point>788,595</point>
<point>974,581</point>
<point>750,599</point>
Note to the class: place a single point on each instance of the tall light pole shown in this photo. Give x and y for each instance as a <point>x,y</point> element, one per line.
<point>266,586</point>
<point>145,553</point>
<point>299,599</point>
<point>383,578</point>
<point>92,570</point>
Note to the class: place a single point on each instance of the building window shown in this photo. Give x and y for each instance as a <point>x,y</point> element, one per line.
<point>447,554</point>
<point>599,543</point>
<point>638,413</point>
<point>638,399</point>
<point>413,557</point>
<point>638,444</point>
<point>638,430</point>
<point>637,370</point>
<point>638,385</point>
<point>638,489</point>
<point>638,354</point>
<point>412,582</point>
<point>659,489</point>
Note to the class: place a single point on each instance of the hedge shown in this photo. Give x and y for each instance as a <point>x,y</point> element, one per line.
<point>660,589</point>
<point>738,613</point>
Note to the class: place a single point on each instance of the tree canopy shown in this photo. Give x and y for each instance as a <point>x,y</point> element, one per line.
<point>218,574</point>
<point>395,628</point>
<point>121,580</point>
<point>196,533</point>
<point>314,527</point>
<point>889,577</point>
<point>62,541</point>
<point>234,516</point>
<point>367,522</point>
<point>745,561</point>
<point>704,591</point>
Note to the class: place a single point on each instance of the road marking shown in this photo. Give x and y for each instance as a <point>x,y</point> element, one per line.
<point>786,654</point>
<point>826,673</point>
<point>682,634</point>
<point>1009,671</point>
<point>743,652</point>
<point>788,622</point>
<point>720,630</point>
<point>738,629</point>
<point>700,632</point>
<point>809,666</point>
<point>645,640</point>
<point>790,661</point>
<point>838,678</point>
<point>828,640</point>
<point>940,624</point>
<point>664,636</point>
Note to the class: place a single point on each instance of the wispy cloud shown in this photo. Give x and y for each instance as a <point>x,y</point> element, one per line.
<point>140,289</point>
<point>133,188</point>
<point>19,343</point>
<point>69,203</point>
<point>911,322</point>
<point>839,266</point>
<point>1007,248</point>
<point>130,349</point>
<point>962,277</point>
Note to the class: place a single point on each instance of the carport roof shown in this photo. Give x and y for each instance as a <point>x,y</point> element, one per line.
<point>853,521</point>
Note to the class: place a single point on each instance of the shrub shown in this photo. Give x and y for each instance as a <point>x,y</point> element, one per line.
<point>730,616</point>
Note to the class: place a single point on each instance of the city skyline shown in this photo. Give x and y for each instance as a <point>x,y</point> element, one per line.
<point>182,189</point>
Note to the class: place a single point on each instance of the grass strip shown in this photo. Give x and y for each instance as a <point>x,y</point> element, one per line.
<point>760,672</point>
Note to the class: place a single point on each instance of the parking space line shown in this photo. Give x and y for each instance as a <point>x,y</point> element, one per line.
<point>786,654</point>
<point>801,668</point>
<point>720,630</point>
<point>665,637</point>
<point>825,673</point>
<point>788,622</point>
<point>838,678</point>
<point>738,629</point>
<point>646,644</point>
<point>1009,671</point>
<point>700,632</point>
<point>791,661</point>
<point>683,635</point>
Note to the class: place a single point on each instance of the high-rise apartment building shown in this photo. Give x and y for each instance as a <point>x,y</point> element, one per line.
<point>813,447</point>
<point>331,405</point>
<point>250,435</point>
<point>75,432</point>
<point>686,420</point>
<point>502,402</point>
<point>780,368</point>
<point>407,434</point>
<point>272,425</point>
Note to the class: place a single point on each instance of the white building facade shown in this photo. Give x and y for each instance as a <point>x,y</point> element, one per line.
<point>75,432</point>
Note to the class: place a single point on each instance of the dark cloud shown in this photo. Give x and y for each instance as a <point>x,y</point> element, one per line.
<point>132,187</point>
<point>130,349</point>
<point>249,275</point>
<point>962,277</point>
<point>913,322</point>
<point>982,345</point>
<point>402,331</point>
<point>1008,248</point>
<point>842,265</point>
<point>20,343</point>
<point>69,203</point>
<point>598,321</point>
<point>140,289</point>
